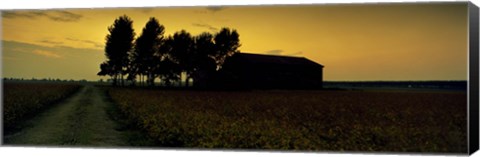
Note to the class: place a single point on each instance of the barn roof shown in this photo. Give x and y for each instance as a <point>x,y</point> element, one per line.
<point>274,59</point>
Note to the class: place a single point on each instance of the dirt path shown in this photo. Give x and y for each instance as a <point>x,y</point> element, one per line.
<point>80,120</point>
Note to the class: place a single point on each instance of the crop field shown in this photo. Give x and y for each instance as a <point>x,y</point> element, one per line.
<point>24,99</point>
<point>391,121</point>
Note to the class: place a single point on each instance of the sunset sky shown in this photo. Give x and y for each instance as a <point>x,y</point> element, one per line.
<point>417,41</point>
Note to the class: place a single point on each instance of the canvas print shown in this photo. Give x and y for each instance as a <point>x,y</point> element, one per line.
<point>386,77</point>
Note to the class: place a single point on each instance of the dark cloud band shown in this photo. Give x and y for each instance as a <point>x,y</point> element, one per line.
<point>274,52</point>
<point>54,15</point>
<point>210,27</point>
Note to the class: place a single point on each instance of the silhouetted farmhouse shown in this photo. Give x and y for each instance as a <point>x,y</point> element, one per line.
<point>246,70</point>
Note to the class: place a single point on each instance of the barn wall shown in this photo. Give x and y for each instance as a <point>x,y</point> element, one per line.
<point>239,72</point>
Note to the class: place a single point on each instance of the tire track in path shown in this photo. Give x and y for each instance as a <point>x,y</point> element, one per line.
<point>80,120</point>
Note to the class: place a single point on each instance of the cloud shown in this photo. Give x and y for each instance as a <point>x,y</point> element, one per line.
<point>274,52</point>
<point>210,27</point>
<point>65,16</point>
<point>95,44</point>
<point>51,42</point>
<point>54,15</point>
<point>27,60</point>
<point>296,53</point>
<point>16,47</point>
<point>281,52</point>
<point>210,9</point>
<point>83,43</point>
<point>215,8</point>
<point>146,10</point>
<point>46,54</point>
<point>12,14</point>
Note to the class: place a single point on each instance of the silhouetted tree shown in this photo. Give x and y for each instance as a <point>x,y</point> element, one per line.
<point>145,58</point>
<point>182,50</point>
<point>167,58</point>
<point>105,69</point>
<point>168,69</point>
<point>227,43</point>
<point>204,62</point>
<point>132,70</point>
<point>118,43</point>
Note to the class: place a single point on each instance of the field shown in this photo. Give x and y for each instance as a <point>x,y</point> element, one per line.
<point>391,121</point>
<point>316,120</point>
<point>21,100</point>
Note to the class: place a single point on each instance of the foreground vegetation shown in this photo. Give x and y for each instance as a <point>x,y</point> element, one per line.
<point>21,100</point>
<point>300,120</point>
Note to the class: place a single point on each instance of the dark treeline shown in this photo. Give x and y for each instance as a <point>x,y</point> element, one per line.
<point>152,55</point>
<point>6,79</point>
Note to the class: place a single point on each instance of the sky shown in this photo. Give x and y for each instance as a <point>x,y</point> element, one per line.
<point>355,42</point>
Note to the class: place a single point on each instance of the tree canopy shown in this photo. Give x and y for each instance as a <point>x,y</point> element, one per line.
<point>119,42</point>
<point>227,43</point>
<point>145,57</point>
<point>153,55</point>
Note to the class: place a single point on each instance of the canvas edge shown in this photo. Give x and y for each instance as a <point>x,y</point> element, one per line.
<point>473,66</point>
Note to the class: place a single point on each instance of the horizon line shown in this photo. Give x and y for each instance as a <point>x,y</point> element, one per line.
<point>43,78</point>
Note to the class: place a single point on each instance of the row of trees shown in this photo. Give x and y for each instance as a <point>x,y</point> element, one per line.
<point>153,55</point>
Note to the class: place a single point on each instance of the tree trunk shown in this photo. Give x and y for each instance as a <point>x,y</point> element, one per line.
<point>153,80</point>
<point>115,79</point>
<point>122,79</point>
<point>149,79</point>
<point>167,83</point>
<point>134,81</point>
